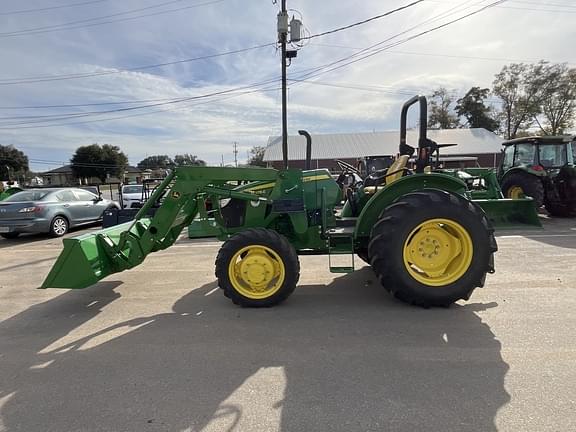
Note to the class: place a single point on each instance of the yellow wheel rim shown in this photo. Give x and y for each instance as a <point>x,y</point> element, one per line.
<point>515,192</point>
<point>256,272</point>
<point>438,252</point>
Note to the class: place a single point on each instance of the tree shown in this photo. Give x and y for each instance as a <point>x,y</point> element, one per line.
<point>441,115</point>
<point>13,163</point>
<point>99,161</point>
<point>558,102</point>
<point>521,88</point>
<point>473,108</point>
<point>156,162</point>
<point>257,156</point>
<point>188,160</point>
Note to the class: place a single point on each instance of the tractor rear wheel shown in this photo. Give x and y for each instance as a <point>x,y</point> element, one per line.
<point>560,209</point>
<point>518,184</point>
<point>432,248</point>
<point>257,268</point>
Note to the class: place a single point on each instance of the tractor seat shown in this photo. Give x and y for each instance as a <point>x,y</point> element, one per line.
<point>396,171</point>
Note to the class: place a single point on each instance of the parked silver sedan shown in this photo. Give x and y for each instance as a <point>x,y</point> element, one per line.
<point>52,211</point>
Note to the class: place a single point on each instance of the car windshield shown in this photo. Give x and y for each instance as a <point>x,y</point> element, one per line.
<point>553,155</point>
<point>29,195</point>
<point>132,189</point>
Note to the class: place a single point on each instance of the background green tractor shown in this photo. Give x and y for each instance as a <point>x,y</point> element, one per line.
<point>429,243</point>
<point>542,168</point>
<point>5,192</point>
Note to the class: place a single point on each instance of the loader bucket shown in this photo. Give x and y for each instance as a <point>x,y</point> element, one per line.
<point>86,259</point>
<point>511,214</point>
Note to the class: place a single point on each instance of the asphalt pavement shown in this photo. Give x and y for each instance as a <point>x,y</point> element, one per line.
<point>159,348</point>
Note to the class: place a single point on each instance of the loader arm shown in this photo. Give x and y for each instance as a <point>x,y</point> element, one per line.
<point>91,257</point>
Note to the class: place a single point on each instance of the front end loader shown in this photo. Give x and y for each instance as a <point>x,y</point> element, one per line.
<point>427,240</point>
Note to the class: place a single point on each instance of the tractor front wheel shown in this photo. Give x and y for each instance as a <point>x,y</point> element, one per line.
<point>518,184</point>
<point>432,248</point>
<point>257,268</point>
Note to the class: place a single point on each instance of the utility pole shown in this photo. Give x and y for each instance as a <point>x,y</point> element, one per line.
<point>222,164</point>
<point>235,154</point>
<point>283,36</point>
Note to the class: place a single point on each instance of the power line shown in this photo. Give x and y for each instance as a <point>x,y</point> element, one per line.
<point>70,23</point>
<point>442,15</point>
<point>352,86</point>
<point>528,8</point>
<point>401,8</point>
<point>306,77</point>
<point>138,114</point>
<point>326,69</point>
<point>52,162</point>
<point>118,110</point>
<point>73,25</point>
<point>84,105</point>
<point>46,78</point>
<point>25,11</point>
<point>456,56</point>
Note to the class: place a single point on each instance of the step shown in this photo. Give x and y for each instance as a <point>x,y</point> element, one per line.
<point>340,232</point>
<point>341,242</point>
<point>346,222</point>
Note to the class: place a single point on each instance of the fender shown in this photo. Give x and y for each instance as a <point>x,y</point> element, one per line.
<point>524,170</point>
<point>388,194</point>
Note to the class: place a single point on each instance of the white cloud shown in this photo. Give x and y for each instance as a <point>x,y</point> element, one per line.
<point>367,94</point>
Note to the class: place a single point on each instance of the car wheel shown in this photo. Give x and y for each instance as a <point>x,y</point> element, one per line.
<point>59,226</point>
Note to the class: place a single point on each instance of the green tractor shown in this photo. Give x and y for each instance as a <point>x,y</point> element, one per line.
<point>543,168</point>
<point>427,241</point>
<point>6,192</point>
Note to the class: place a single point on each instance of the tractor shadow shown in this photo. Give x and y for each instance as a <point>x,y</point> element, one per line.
<point>353,360</point>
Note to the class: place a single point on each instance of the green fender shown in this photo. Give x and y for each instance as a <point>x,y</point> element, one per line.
<point>9,192</point>
<point>387,195</point>
<point>524,170</point>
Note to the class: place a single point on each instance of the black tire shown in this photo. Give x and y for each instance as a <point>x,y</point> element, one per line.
<point>10,236</point>
<point>530,184</point>
<point>395,228</point>
<point>560,209</point>
<point>363,255</point>
<point>59,226</point>
<point>107,209</point>
<point>258,237</point>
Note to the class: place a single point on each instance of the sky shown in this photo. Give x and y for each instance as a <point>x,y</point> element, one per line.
<point>77,72</point>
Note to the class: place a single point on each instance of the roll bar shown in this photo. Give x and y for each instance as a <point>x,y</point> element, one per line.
<point>425,146</point>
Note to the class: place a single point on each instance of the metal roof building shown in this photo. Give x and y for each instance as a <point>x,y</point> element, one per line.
<point>471,142</point>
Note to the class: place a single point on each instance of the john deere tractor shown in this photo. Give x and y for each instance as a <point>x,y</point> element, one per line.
<point>5,192</point>
<point>425,238</point>
<point>542,168</point>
